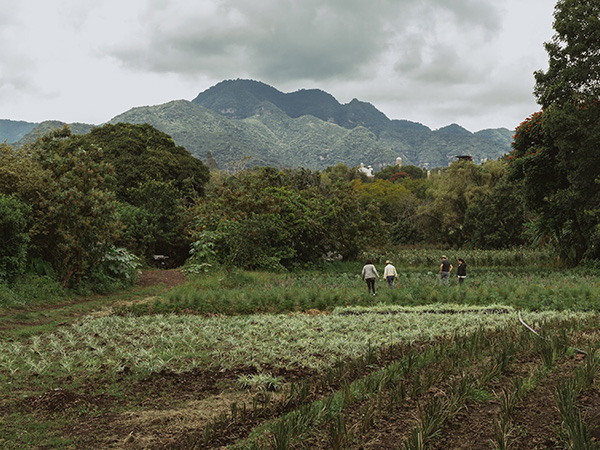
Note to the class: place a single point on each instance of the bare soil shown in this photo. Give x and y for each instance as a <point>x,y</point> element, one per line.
<point>168,277</point>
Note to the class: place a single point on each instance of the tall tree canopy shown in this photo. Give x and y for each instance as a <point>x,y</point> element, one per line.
<point>141,153</point>
<point>574,56</point>
<point>555,152</point>
<point>75,220</point>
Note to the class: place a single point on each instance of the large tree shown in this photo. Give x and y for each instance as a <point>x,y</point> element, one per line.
<point>75,220</point>
<point>141,153</point>
<point>153,179</point>
<point>555,152</point>
<point>573,74</point>
<point>451,194</point>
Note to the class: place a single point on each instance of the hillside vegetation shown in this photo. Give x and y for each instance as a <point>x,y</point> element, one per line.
<point>245,120</point>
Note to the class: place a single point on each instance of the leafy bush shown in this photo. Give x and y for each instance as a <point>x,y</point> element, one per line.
<point>30,290</point>
<point>118,268</point>
<point>202,253</point>
<point>14,239</point>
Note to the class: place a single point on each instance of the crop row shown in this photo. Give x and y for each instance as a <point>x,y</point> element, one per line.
<point>422,390</point>
<point>181,343</point>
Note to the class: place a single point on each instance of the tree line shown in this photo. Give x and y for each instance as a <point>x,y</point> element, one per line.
<point>83,208</point>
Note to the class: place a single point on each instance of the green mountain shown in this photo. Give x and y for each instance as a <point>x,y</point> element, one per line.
<point>269,138</point>
<point>14,130</point>
<point>246,123</point>
<point>413,142</point>
<point>48,125</point>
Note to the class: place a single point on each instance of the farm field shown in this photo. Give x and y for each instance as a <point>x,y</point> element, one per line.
<point>302,360</point>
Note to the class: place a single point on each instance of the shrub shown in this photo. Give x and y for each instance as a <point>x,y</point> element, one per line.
<point>14,239</point>
<point>30,289</point>
<point>118,268</point>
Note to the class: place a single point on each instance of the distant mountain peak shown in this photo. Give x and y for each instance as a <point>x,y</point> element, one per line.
<point>238,99</point>
<point>454,129</point>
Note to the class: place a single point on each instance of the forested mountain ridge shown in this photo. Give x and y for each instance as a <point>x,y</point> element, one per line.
<point>13,130</point>
<point>246,120</point>
<point>415,143</point>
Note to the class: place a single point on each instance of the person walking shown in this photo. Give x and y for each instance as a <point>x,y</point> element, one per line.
<point>389,273</point>
<point>461,271</point>
<point>369,274</point>
<point>445,269</point>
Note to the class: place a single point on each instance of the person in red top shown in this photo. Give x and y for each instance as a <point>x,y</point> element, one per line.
<point>445,269</point>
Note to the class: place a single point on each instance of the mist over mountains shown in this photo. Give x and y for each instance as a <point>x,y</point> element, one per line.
<point>246,120</point>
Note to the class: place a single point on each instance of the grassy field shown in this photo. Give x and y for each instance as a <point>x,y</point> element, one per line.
<point>252,360</point>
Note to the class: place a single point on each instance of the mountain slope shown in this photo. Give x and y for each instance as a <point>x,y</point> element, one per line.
<point>238,99</point>
<point>245,120</point>
<point>14,130</point>
<point>269,137</point>
<point>414,142</point>
<point>44,127</point>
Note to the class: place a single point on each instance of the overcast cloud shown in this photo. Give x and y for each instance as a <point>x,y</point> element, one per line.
<point>432,61</point>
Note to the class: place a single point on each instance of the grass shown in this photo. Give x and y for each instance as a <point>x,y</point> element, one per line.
<point>44,316</point>
<point>234,293</point>
<point>311,320</point>
<point>19,434</point>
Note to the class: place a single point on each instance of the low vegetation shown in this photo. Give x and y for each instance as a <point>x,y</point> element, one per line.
<point>307,359</point>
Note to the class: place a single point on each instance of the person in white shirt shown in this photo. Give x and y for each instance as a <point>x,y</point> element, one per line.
<point>389,273</point>
<point>369,274</point>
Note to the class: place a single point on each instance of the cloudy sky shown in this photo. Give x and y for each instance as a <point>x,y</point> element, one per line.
<point>436,62</point>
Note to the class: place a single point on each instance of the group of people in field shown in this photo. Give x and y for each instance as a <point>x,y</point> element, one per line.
<point>370,274</point>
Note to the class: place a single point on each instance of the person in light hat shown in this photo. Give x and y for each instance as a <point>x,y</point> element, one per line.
<point>389,273</point>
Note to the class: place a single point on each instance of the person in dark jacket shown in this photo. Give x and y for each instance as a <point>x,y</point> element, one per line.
<point>461,271</point>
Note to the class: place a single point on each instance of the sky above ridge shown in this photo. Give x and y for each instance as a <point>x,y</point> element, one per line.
<point>435,62</point>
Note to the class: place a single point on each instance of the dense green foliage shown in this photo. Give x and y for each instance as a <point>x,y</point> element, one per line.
<point>14,239</point>
<point>271,219</point>
<point>141,153</point>
<point>154,179</point>
<point>75,219</point>
<point>76,212</point>
<point>574,62</point>
<point>555,156</point>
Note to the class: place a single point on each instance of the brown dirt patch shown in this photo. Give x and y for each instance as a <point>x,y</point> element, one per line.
<point>168,277</point>
<point>153,277</point>
<point>62,400</point>
<point>162,411</point>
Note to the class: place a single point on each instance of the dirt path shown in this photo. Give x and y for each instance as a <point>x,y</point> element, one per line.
<point>169,277</point>
<point>151,283</point>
